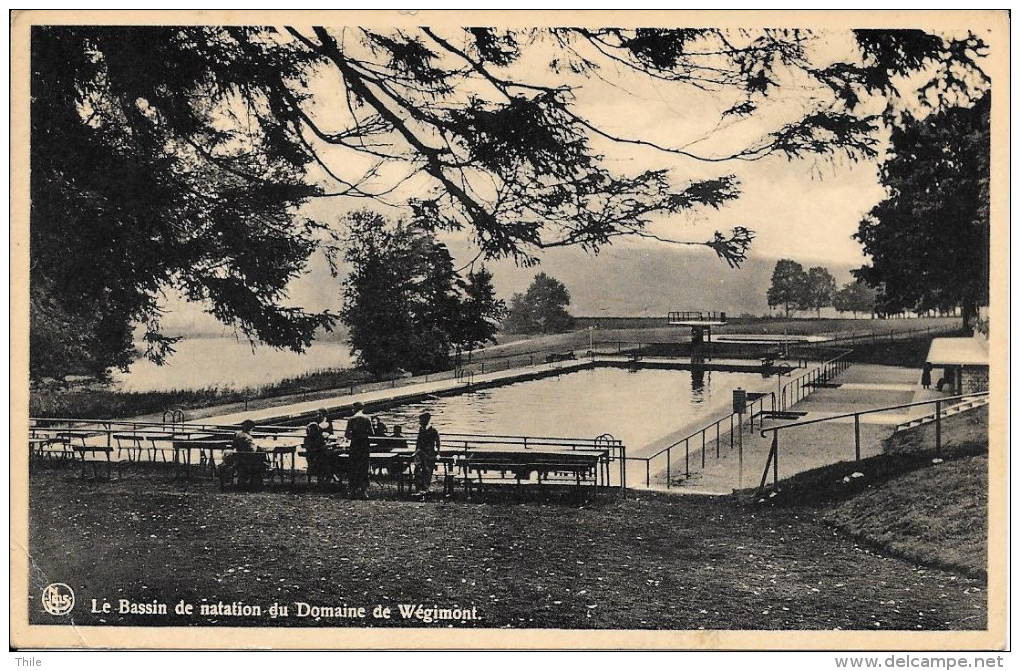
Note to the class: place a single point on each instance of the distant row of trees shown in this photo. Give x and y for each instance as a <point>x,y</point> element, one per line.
<point>793,288</point>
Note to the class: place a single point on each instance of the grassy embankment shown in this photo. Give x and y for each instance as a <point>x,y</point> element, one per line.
<point>910,502</point>
<point>94,403</point>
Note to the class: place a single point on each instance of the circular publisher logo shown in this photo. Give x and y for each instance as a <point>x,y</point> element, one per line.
<point>57,599</point>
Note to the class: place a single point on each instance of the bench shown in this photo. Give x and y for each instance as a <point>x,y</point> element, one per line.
<point>132,443</point>
<point>577,468</point>
<point>384,464</point>
<point>565,356</point>
<point>206,448</point>
<point>244,470</point>
<point>81,451</point>
<point>49,448</point>
<point>278,463</point>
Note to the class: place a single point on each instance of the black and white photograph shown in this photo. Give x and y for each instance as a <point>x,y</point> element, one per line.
<point>549,330</point>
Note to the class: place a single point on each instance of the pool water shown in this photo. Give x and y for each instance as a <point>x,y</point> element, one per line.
<point>635,406</point>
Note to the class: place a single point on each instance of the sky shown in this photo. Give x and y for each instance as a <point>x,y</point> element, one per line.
<point>809,207</point>
<point>806,209</point>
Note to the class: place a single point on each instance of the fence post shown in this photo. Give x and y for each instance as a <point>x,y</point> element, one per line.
<point>648,472</point>
<point>703,449</point>
<point>717,439</point>
<point>669,470</point>
<point>938,427</point>
<point>731,429</point>
<point>857,437</point>
<point>687,457</point>
<point>775,460</point>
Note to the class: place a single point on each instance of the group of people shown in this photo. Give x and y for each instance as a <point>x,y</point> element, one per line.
<point>324,456</point>
<point>360,432</point>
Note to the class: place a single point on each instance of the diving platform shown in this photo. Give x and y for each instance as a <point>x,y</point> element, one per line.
<point>694,318</point>
<point>699,321</point>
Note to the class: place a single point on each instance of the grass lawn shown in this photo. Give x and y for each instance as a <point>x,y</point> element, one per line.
<point>936,515</point>
<point>909,502</point>
<point>652,560</point>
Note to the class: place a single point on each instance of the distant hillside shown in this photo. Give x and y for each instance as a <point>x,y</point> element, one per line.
<point>624,280</point>
<point>638,282</point>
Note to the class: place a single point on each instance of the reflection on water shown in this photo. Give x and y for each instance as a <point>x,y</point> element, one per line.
<point>697,381</point>
<point>227,363</point>
<point>636,406</point>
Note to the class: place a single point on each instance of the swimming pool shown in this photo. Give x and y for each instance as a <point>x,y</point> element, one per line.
<point>636,406</point>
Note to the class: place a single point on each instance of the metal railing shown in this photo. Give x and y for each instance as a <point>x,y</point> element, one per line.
<point>465,377</point>
<point>772,462</point>
<point>702,436</point>
<point>109,433</point>
<point>695,316</point>
<point>854,338</point>
<point>801,386</point>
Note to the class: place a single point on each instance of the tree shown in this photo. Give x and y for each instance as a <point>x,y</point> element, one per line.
<point>855,297</point>
<point>819,289</point>
<point>181,155</point>
<point>789,285</point>
<point>437,293</point>
<point>541,309</point>
<point>405,304</point>
<point>481,312</point>
<point>928,241</point>
<point>402,297</point>
<point>377,304</point>
<point>133,190</point>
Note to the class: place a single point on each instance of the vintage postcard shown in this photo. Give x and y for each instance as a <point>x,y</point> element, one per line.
<point>560,330</point>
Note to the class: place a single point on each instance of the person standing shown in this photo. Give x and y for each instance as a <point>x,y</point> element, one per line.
<point>426,450</point>
<point>926,376</point>
<point>358,432</point>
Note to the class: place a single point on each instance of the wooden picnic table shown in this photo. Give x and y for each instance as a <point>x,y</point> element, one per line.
<point>154,438</point>
<point>37,447</point>
<point>80,434</point>
<point>84,449</point>
<point>578,467</point>
<point>273,461</point>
